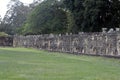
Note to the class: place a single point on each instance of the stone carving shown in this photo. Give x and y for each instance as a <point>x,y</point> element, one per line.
<point>6,41</point>
<point>82,43</point>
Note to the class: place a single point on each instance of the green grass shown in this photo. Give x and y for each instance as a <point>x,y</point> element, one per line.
<point>31,64</point>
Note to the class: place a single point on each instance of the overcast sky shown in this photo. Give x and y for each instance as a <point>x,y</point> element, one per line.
<point>3,4</point>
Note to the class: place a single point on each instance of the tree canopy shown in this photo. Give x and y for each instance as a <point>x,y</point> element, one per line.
<point>93,15</point>
<point>47,17</point>
<point>60,16</point>
<point>15,17</point>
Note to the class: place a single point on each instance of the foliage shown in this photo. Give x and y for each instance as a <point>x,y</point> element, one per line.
<point>93,15</point>
<point>47,17</point>
<point>60,16</point>
<point>75,8</point>
<point>3,34</point>
<point>15,16</point>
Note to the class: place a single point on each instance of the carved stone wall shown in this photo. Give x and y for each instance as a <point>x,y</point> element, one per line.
<point>6,41</point>
<point>82,43</point>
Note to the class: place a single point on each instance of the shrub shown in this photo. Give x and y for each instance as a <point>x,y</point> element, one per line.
<point>3,34</point>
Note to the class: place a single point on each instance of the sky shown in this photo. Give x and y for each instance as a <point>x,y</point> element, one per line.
<point>3,5</point>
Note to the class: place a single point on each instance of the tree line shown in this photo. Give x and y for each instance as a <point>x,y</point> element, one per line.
<point>60,16</point>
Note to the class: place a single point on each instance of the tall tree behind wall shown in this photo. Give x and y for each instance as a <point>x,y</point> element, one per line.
<point>1,24</point>
<point>16,15</point>
<point>101,13</point>
<point>93,15</point>
<point>47,17</point>
<point>74,10</point>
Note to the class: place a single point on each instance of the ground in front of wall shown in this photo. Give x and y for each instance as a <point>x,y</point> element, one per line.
<point>31,64</point>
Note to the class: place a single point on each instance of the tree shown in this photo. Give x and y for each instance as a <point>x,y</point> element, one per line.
<point>3,27</point>
<point>91,21</point>
<point>47,17</point>
<point>16,15</point>
<point>75,9</point>
<point>0,23</point>
<point>111,14</point>
<point>0,19</point>
<point>93,15</point>
<point>101,13</point>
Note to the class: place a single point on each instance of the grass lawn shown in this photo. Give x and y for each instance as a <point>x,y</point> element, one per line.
<point>31,64</point>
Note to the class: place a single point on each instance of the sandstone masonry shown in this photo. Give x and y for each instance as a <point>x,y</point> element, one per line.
<point>6,41</point>
<point>106,44</point>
